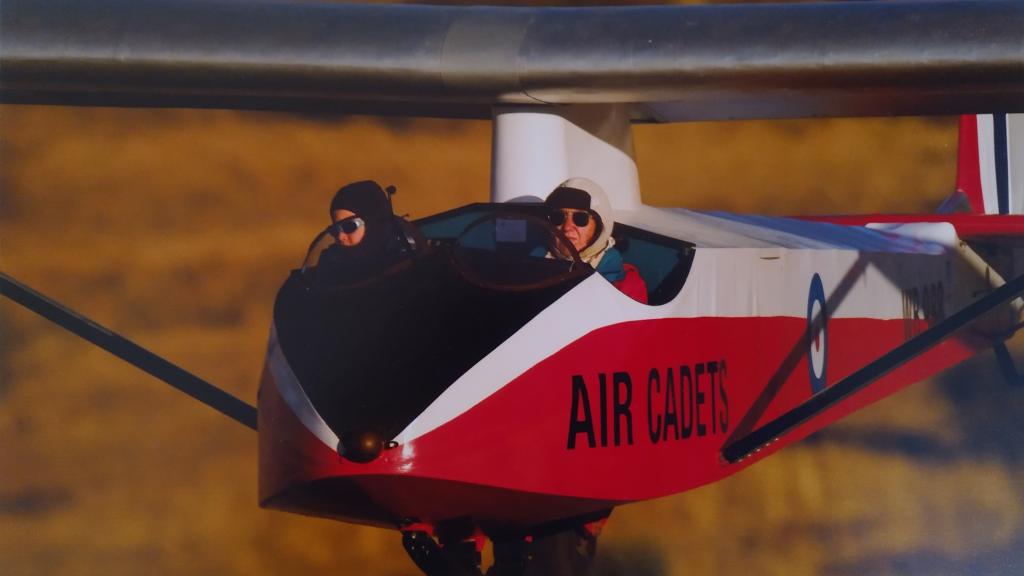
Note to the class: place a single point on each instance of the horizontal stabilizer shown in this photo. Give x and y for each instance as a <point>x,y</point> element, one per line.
<point>967,226</point>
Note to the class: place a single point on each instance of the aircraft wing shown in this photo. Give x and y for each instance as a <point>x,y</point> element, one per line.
<point>670,62</point>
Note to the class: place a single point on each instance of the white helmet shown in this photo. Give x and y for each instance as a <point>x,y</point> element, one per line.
<point>585,194</point>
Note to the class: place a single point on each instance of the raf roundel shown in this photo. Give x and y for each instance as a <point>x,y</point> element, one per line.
<point>817,331</point>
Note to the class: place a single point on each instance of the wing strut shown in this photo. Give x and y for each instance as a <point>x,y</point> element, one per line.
<point>765,435</point>
<point>128,351</point>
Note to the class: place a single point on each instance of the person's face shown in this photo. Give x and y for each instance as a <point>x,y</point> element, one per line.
<point>579,236</point>
<point>352,238</point>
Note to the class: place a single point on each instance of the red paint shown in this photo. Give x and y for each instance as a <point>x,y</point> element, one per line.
<point>505,462</point>
<point>297,455</point>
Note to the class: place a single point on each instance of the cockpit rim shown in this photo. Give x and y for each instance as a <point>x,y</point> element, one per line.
<point>662,292</point>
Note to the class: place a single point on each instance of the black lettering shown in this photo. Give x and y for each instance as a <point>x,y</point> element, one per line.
<point>686,400</point>
<point>908,330</point>
<point>942,301</point>
<point>933,305</point>
<point>938,303</point>
<point>926,302</point>
<point>724,418</point>
<point>671,419</point>
<point>702,430</point>
<point>604,408</point>
<point>712,372</point>
<point>577,426</point>
<point>622,405</point>
<point>653,426</point>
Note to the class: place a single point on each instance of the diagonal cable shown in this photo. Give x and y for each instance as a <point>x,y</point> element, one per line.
<point>128,351</point>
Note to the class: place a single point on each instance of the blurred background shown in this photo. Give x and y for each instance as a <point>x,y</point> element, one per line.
<point>176,227</point>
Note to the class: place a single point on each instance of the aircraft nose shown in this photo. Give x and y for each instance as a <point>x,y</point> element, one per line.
<point>371,356</point>
<point>360,447</point>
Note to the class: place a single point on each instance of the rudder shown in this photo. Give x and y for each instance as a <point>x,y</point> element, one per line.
<point>990,163</point>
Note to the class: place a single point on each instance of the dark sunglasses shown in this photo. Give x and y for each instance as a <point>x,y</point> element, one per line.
<point>348,225</point>
<point>580,219</point>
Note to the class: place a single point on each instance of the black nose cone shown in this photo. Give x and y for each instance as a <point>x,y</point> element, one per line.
<point>361,447</point>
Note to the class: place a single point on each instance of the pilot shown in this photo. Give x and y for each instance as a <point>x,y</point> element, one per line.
<point>579,208</point>
<point>368,236</point>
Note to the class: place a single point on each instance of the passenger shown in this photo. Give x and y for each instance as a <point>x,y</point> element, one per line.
<point>369,237</point>
<point>579,208</point>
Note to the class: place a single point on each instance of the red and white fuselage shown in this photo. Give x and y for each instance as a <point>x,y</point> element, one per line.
<point>598,400</point>
<point>601,400</point>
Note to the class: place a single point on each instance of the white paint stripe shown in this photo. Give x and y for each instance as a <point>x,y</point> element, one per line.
<point>734,283</point>
<point>590,306</point>
<point>293,395</point>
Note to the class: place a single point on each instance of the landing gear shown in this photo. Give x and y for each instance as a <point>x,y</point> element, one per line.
<point>565,548</point>
<point>569,552</point>
<point>455,550</point>
<point>433,559</point>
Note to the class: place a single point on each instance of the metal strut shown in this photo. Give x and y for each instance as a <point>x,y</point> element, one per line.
<point>128,351</point>
<point>765,435</point>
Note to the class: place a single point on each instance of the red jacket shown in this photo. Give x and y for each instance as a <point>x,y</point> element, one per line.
<point>632,284</point>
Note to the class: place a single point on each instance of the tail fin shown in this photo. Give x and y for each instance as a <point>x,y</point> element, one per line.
<point>990,166</point>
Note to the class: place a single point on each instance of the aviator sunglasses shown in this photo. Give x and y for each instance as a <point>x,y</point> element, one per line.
<point>347,225</point>
<point>580,219</point>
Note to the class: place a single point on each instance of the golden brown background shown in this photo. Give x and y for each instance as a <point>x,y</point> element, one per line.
<point>175,228</point>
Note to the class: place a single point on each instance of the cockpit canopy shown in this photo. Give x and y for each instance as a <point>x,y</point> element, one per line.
<point>662,261</point>
<point>499,248</point>
<point>513,251</point>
